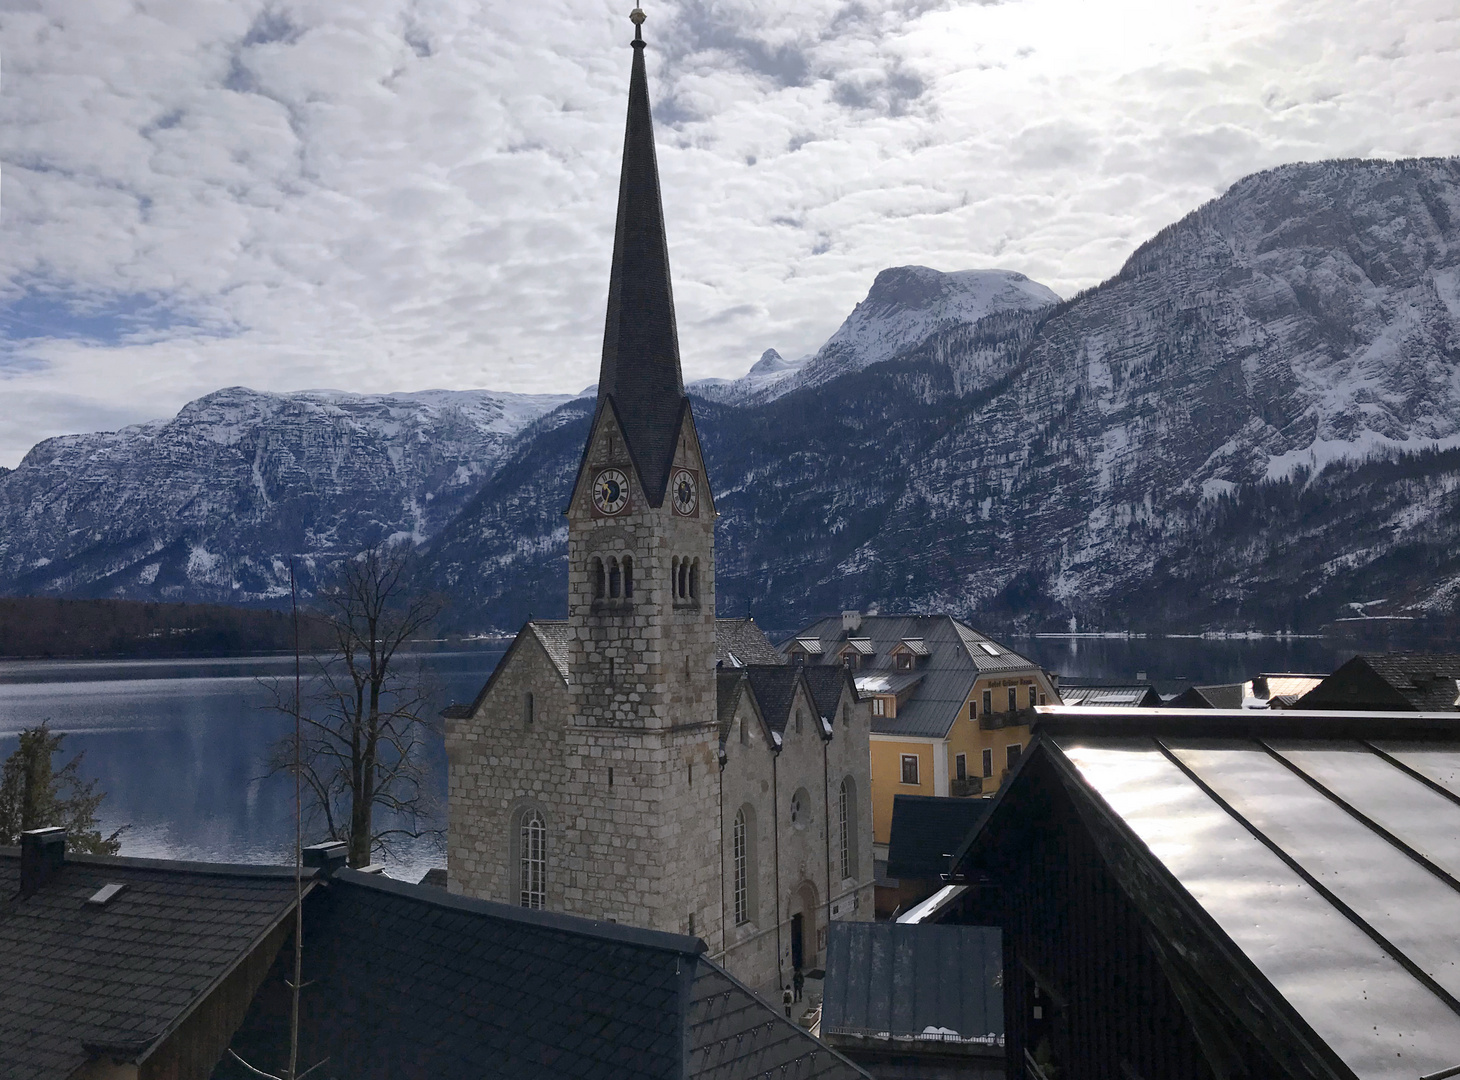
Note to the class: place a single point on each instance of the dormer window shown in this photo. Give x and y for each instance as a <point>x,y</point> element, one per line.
<point>903,661</point>
<point>856,652</point>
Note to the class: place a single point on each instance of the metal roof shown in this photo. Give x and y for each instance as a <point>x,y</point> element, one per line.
<point>861,645</point>
<point>914,982</point>
<point>926,830</point>
<point>1333,865</point>
<point>887,682</point>
<point>954,662</point>
<point>1105,695</point>
<point>915,646</point>
<point>809,645</point>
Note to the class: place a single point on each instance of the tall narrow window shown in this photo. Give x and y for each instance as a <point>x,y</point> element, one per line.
<point>960,767</point>
<point>683,578</point>
<point>844,821</point>
<point>533,860</point>
<point>628,577</point>
<point>1013,699</point>
<point>742,871</point>
<point>1033,696</point>
<point>988,763</point>
<point>613,579</point>
<point>694,580</point>
<point>972,711</point>
<point>1012,752</point>
<point>528,708</point>
<point>988,702</point>
<point>909,769</point>
<point>599,580</point>
<point>674,577</point>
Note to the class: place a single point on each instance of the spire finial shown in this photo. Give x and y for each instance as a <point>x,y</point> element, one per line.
<point>637,17</point>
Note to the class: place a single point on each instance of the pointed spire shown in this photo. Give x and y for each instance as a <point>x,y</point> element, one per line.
<point>640,373</point>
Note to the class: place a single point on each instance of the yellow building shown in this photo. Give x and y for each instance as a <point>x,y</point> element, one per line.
<point>950,707</point>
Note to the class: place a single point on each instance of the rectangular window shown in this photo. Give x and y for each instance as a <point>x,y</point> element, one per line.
<point>1013,699</point>
<point>904,661</point>
<point>988,702</point>
<point>972,711</point>
<point>960,766</point>
<point>909,768</point>
<point>1013,752</point>
<point>742,876</point>
<point>879,706</point>
<point>1042,700</point>
<point>988,763</point>
<point>1033,696</point>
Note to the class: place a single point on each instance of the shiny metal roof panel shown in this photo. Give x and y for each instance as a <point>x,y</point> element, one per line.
<point>1379,1018</point>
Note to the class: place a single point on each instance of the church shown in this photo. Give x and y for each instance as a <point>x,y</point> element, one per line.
<point>642,761</point>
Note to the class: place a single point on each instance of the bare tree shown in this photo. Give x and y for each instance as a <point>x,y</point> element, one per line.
<point>362,738</point>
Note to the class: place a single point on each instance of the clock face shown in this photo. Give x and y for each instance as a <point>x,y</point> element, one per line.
<point>610,491</point>
<point>686,494</point>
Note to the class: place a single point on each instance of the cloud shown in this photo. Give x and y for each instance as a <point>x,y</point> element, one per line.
<point>394,195</point>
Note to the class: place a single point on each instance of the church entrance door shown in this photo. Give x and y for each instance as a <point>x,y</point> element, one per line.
<point>798,948</point>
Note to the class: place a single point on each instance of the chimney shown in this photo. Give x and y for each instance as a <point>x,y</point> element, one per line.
<point>42,853</point>
<point>327,857</point>
<point>851,621</point>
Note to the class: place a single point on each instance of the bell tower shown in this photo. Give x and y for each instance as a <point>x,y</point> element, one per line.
<point>641,578</point>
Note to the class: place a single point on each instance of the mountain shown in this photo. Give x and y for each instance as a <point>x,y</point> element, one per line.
<point>210,504</point>
<point>905,306</point>
<point>1254,424</point>
<point>1250,425</point>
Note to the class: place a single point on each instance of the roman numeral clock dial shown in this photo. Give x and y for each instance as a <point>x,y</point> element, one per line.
<point>686,493</point>
<point>610,491</point>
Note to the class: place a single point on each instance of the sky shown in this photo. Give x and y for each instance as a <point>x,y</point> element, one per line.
<point>389,195</point>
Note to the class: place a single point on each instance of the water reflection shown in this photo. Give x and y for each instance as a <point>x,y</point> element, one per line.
<point>181,747</point>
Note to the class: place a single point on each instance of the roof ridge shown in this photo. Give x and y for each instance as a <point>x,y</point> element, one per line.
<point>138,862</point>
<point>546,920</point>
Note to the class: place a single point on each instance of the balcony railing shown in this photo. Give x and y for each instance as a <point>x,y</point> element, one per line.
<point>969,785</point>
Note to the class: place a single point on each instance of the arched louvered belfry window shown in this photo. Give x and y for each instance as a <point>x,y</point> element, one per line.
<point>613,579</point>
<point>683,578</point>
<point>694,580</point>
<point>628,577</point>
<point>599,580</point>
<point>532,862</point>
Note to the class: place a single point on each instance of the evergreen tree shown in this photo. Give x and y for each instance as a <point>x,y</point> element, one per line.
<point>34,795</point>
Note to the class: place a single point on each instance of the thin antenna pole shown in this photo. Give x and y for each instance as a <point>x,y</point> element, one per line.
<point>298,842</point>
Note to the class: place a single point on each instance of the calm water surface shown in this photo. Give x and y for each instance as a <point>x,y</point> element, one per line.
<point>181,748</point>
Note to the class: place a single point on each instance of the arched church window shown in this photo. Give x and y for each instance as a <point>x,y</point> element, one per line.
<point>694,580</point>
<point>846,816</point>
<point>598,578</point>
<point>533,860</point>
<point>613,579</point>
<point>741,869</point>
<point>628,577</point>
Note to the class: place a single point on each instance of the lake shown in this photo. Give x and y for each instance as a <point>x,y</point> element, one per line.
<point>181,746</point>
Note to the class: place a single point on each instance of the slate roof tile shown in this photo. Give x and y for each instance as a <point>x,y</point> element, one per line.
<point>75,973</point>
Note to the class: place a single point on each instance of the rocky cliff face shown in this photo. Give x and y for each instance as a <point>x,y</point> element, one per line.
<point>1255,423</point>
<point>210,504</point>
<point>1248,426</point>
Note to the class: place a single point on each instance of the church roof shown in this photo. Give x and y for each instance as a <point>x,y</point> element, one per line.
<point>826,685</point>
<point>640,374</point>
<point>739,642</point>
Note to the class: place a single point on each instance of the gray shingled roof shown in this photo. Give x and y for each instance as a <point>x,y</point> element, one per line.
<point>926,831</point>
<point>122,974</point>
<point>556,636</point>
<point>826,684</point>
<point>408,983</point>
<point>745,641</point>
<point>1426,682</point>
<point>774,686</point>
<point>956,659</point>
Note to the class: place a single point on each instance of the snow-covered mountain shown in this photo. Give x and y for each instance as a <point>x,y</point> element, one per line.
<point>1255,423</point>
<point>904,307</point>
<point>1149,453</point>
<point>211,503</point>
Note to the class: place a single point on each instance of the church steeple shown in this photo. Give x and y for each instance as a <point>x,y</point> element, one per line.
<point>640,374</point>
